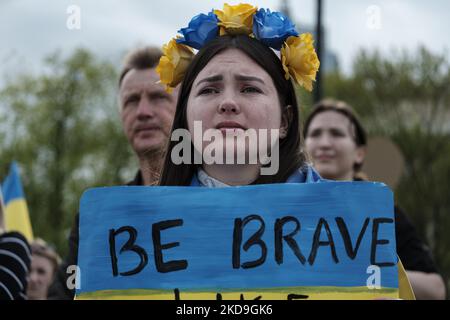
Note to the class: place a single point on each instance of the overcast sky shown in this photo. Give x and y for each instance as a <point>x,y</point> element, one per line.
<point>31,29</point>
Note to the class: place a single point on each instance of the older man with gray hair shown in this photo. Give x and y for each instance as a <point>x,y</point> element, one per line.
<point>146,112</point>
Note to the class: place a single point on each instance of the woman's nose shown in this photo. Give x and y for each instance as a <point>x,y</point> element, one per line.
<point>229,105</point>
<point>32,277</point>
<point>324,141</point>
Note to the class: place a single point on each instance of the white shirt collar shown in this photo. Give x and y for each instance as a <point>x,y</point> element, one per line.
<point>209,181</point>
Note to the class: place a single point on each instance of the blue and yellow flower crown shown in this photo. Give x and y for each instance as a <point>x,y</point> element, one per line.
<point>273,29</point>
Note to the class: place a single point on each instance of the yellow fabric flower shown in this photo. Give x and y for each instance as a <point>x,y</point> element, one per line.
<point>236,19</point>
<point>300,60</point>
<point>174,63</point>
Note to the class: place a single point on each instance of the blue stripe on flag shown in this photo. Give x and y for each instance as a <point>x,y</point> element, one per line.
<point>12,187</point>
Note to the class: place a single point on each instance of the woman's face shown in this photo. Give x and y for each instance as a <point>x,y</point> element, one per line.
<point>39,278</point>
<point>231,95</point>
<point>330,142</point>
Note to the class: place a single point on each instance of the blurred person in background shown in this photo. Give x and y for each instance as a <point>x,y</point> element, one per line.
<point>146,112</point>
<point>44,264</point>
<point>336,142</point>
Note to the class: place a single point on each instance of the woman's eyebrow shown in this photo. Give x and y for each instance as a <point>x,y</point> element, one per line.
<point>210,79</point>
<point>248,78</point>
<point>314,130</point>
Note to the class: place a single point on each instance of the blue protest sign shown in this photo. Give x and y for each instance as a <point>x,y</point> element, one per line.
<point>269,241</point>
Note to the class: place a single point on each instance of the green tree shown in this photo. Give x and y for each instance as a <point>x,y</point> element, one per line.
<point>62,126</point>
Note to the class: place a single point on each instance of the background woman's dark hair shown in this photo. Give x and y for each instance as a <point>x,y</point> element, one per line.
<point>291,156</point>
<point>346,110</point>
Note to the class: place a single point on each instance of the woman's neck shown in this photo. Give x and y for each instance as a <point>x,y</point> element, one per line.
<point>347,176</point>
<point>233,175</point>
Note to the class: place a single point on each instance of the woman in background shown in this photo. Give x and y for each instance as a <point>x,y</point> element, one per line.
<point>336,141</point>
<point>44,263</point>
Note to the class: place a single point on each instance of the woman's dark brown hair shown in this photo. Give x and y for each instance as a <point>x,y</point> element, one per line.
<point>291,157</point>
<point>359,134</point>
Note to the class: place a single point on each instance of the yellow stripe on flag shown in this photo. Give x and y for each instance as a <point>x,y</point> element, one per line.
<point>406,291</point>
<point>18,219</point>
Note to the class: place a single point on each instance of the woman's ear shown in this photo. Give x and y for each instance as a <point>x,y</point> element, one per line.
<point>360,154</point>
<point>286,120</point>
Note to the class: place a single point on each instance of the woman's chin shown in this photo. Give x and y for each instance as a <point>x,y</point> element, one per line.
<point>326,171</point>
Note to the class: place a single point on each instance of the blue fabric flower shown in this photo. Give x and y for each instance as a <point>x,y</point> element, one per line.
<point>272,28</point>
<point>202,28</point>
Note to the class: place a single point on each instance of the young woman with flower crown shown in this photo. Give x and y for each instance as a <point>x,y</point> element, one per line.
<point>236,82</point>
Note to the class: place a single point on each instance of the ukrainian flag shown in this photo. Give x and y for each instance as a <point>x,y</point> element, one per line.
<point>16,210</point>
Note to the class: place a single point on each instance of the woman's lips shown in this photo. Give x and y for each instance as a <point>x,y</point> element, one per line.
<point>226,130</point>
<point>324,158</point>
<point>230,126</point>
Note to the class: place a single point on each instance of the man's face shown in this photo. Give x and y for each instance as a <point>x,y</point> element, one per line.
<point>147,111</point>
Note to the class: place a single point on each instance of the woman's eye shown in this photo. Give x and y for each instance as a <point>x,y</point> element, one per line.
<point>161,97</point>
<point>337,133</point>
<point>314,134</point>
<point>251,90</point>
<point>207,91</point>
